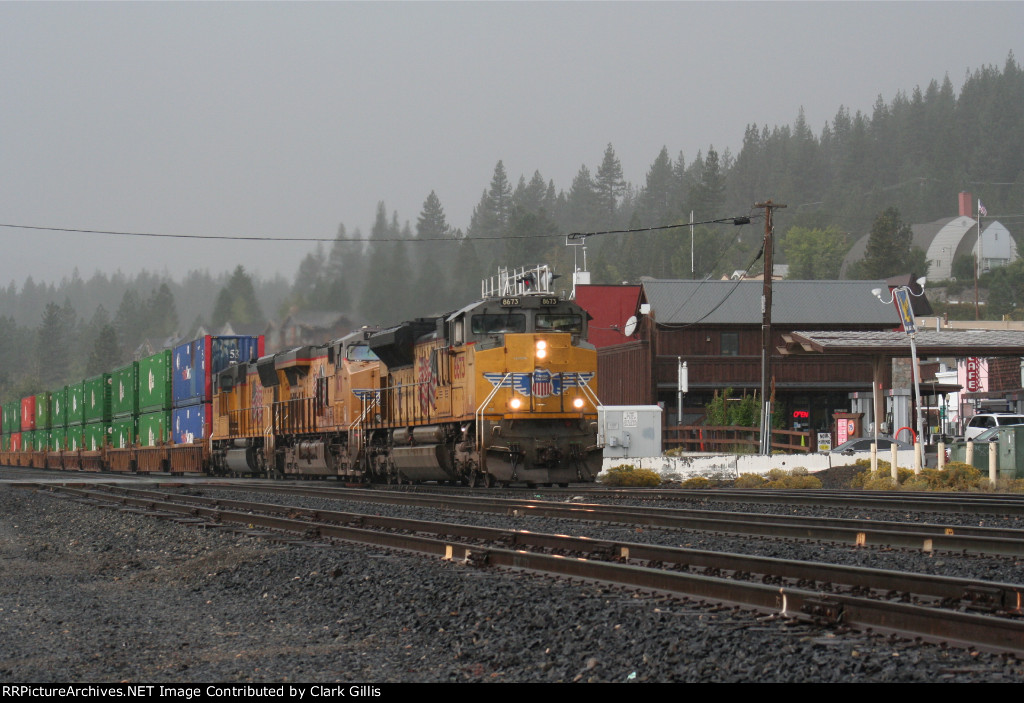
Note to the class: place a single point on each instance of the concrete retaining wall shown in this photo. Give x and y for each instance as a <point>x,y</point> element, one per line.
<point>730,466</point>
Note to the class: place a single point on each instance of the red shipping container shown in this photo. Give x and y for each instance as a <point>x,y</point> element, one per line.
<point>28,413</point>
<point>16,442</point>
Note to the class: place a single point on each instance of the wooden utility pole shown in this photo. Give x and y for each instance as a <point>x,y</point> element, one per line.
<point>766,327</point>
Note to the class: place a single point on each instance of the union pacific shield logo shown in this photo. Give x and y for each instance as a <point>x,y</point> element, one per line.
<point>541,383</point>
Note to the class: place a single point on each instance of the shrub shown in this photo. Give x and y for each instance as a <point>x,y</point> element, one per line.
<point>960,476</point>
<point>779,478</point>
<point>629,475</point>
<point>957,476</point>
<point>697,482</point>
<point>797,478</point>
<point>750,481</point>
<point>880,480</point>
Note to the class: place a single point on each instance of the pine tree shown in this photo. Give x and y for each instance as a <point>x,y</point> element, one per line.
<point>609,186</point>
<point>708,194</point>
<point>236,302</point>
<point>888,249</point>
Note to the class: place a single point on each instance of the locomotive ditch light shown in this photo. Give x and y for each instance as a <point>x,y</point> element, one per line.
<point>515,403</point>
<point>578,403</point>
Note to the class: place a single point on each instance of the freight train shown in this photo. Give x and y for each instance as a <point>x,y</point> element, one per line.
<point>502,390</point>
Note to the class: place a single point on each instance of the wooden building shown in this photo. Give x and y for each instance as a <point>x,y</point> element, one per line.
<point>715,326</point>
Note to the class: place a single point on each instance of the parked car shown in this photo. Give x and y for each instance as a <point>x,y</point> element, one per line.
<point>863,444</point>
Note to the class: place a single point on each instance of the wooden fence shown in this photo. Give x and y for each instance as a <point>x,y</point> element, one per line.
<point>732,440</point>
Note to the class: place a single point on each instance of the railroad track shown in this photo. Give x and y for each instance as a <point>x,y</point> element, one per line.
<point>939,609</point>
<point>960,503</point>
<point>876,533</point>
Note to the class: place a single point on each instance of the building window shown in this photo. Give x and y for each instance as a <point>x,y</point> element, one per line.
<point>730,343</point>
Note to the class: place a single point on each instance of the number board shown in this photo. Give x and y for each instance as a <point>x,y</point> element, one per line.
<point>549,301</point>
<point>509,302</point>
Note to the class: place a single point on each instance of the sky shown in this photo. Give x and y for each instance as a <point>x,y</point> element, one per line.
<point>286,119</point>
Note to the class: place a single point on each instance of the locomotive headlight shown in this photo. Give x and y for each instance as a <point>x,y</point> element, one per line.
<point>542,349</point>
<point>578,403</point>
<point>515,403</point>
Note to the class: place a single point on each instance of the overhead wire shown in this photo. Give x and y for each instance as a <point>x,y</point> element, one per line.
<point>254,238</point>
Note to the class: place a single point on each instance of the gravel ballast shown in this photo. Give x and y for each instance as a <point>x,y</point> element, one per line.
<point>89,594</point>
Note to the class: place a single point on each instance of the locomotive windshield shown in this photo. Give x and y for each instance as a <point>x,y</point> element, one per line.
<point>510,323</point>
<point>360,352</point>
<point>559,322</point>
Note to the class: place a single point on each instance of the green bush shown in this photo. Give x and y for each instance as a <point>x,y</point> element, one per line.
<point>629,475</point>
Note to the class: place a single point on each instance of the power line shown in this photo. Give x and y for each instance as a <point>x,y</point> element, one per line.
<point>276,239</point>
<point>740,220</point>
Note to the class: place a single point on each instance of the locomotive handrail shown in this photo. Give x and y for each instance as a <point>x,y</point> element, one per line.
<point>589,391</point>
<point>478,415</point>
<point>359,420</point>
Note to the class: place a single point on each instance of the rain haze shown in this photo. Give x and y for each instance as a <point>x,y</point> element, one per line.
<point>288,119</point>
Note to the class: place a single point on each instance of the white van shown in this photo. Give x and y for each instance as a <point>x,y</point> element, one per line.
<point>986,421</point>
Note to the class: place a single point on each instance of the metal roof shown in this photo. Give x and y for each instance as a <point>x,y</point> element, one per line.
<point>929,343</point>
<point>793,303</point>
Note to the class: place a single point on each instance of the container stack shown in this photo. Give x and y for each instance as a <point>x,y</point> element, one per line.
<point>58,419</point>
<point>195,365</point>
<point>155,399</point>
<point>75,436</point>
<point>96,415</point>
<point>124,406</point>
<point>164,399</point>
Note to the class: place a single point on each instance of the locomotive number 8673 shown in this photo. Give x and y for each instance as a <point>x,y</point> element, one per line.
<point>502,390</point>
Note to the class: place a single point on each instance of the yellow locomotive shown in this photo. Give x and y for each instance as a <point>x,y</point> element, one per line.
<point>502,390</point>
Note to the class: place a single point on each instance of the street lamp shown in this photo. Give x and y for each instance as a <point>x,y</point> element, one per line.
<point>901,295</point>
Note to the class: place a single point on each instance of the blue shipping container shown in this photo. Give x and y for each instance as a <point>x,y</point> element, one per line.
<point>191,423</point>
<point>194,364</point>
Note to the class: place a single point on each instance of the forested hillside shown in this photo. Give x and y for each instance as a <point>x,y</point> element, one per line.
<point>903,161</point>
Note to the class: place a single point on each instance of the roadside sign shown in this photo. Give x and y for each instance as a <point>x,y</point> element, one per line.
<point>824,441</point>
<point>906,312</point>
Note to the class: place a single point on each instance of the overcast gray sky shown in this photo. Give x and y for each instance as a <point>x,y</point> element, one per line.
<point>286,119</point>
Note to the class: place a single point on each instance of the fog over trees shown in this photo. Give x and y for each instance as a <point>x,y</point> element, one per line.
<point>902,162</point>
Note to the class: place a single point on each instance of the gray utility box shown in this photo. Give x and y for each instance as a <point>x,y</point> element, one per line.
<point>629,430</point>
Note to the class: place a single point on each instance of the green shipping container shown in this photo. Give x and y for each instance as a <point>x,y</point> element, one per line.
<point>58,436</point>
<point>11,417</point>
<point>43,410</point>
<point>75,404</point>
<point>59,407</point>
<point>28,441</point>
<point>97,435</point>
<point>5,442</point>
<point>74,438</point>
<point>155,428</point>
<point>124,390</point>
<point>155,383</point>
<point>124,431</point>
<point>97,398</point>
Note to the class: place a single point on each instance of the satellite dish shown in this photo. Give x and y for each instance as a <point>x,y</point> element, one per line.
<point>630,326</point>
